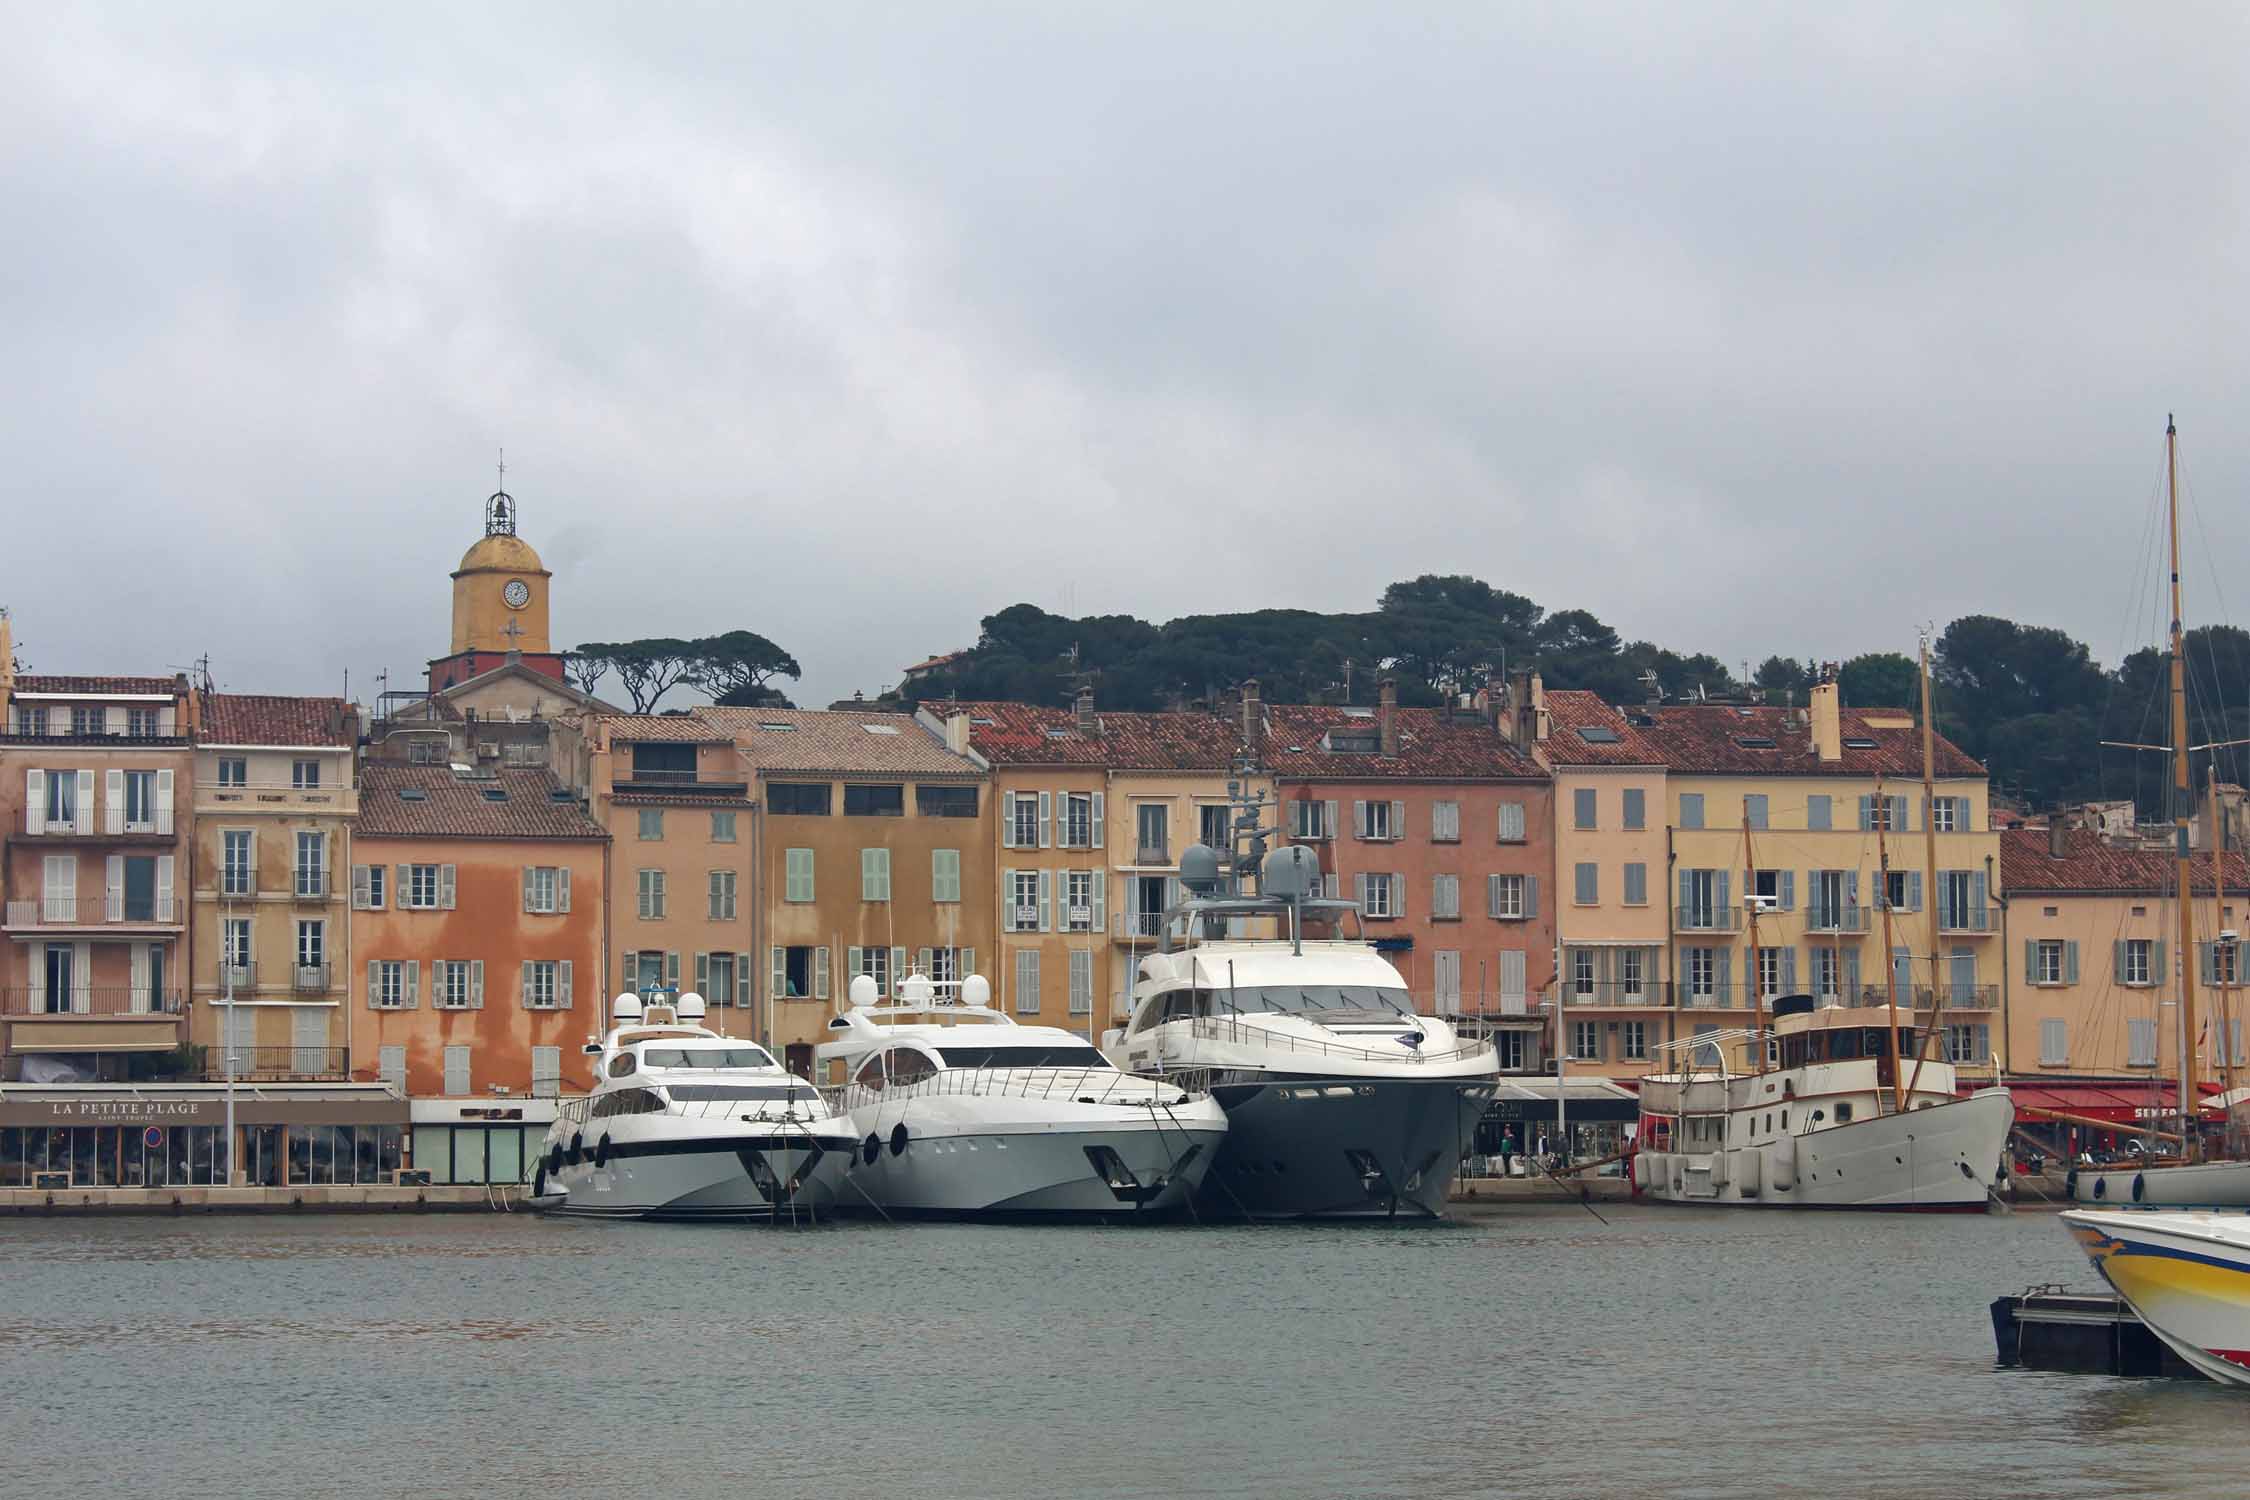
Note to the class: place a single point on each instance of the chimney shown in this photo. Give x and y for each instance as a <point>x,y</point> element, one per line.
<point>1386,717</point>
<point>1088,725</point>
<point>1827,717</point>
<point>1535,708</point>
<point>957,733</point>
<point>2058,836</point>
<point>1496,707</point>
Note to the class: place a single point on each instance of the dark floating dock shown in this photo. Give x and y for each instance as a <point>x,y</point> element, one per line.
<point>2047,1328</point>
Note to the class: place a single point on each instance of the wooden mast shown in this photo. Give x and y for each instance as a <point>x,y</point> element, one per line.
<point>2222,1009</point>
<point>1750,905</point>
<point>1929,878</point>
<point>2180,799</point>
<point>1882,820</point>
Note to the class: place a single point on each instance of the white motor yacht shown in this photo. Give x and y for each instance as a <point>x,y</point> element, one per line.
<point>2187,1276</point>
<point>960,1112</point>
<point>685,1123</point>
<point>1847,1119</point>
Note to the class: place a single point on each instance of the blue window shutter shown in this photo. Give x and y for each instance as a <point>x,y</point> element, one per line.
<point>1788,890</point>
<point>1851,971</point>
<point>1913,890</point>
<point>2158,970</point>
<point>1722,970</point>
<point>2030,961</point>
<point>1719,884</point>
<point>2117,961</point>
<point>1789,971</point>
<point>1980,898</point>
<point>1866,811</point>
<point>1531,895</point>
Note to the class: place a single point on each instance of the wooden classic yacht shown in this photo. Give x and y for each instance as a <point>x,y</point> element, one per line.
<point>1835,1125</point>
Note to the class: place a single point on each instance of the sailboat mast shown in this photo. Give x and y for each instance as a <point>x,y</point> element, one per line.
<point>1890,964</point>
<point>2180,799</point>
<point>2222,1008</point>
<point>1754,979</point>
<point>1929,877</point>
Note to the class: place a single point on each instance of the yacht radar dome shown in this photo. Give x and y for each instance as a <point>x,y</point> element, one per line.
<point>625,1008</point>
<point>916,990</point>
<point>976,990</point>
<point>1199,869</point>
<point>1291,872</point>
<point>864,990</point>
<point>690,1007</point>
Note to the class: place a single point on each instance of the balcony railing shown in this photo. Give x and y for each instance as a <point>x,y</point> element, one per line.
<point>312,885</point>
<point>1918,997</point>
<point>86,821</point>
<point>278,1063</point>
<point>251,794</point>
<point>242,976</point>
<point>310,979</point>
<point>1819,918</point>
<point>1143,925</point>
<point>1697,917</point>
<point>107,1000</point>
<point>90,911</point>
<point>1972,920</point>
<point>1152,854</point>
<point>1616,992</point>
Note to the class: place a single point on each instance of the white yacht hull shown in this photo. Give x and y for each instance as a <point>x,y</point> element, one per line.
<point>1942,1158</point>
<point>940,1170</point>
<point>2216,1184</point>
<point>2187,1276</point>
<point>724,1178</point>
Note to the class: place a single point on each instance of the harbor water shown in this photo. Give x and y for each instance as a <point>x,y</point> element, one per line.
<point>1536,1351</point>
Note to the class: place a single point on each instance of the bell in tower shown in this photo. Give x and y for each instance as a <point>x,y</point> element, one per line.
<point>500,514</point>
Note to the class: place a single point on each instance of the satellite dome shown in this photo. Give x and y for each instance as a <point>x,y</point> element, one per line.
<point>625,1007</point>
<point>976,990</point>
<point>864,990</point>
<point>690,1007</point>
<point>1199,868</point>
<point>916,990</point>
<point>1291,872</point>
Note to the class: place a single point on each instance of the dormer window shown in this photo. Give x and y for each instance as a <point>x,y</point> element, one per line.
<point>1351,742</point>
<point>1754,741</point>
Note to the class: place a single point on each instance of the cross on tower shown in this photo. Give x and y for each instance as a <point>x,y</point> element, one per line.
<point>512,630</point>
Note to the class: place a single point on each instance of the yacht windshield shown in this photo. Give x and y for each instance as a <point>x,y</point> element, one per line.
<point>706,1057</point>
<point>693,1092</point>
<point>1321,1001</point>
<point>1061,1056</point>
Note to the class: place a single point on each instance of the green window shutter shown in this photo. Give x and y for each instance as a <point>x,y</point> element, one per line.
<point>2070,963</point>
<point>2117,961</point>
<point>2159,969</point>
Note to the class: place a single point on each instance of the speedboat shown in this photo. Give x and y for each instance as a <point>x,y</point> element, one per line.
<point>1849,1118</point>
<point>2186,1275</point>
<point>1341,1101</point>
<point>959,1112</point>
<point>685,1123</point>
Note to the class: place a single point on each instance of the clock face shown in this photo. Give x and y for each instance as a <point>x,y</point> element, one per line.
<point>517,593</point>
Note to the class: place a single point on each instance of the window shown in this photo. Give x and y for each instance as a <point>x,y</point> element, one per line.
<point>1820,812</point>
<point>2222,963</point>
<point>1380,898</point>
<point>666,763</point>
<point>1582,806</point>
<point>1586,887</point>
<point>652,823</point>
<point>368,885</point>
<point>721,903</point>
<point>2049,961</point>
<point>1027,981</point>
<point>1586,1040</point>
<point>1078,901</point>
<point>1902,890</point>
<point>425,753</point>
<point>1022,914</point>
<point>546,889</point>
<point>1510,1046</point>
<point>312,864</point>
<point>945,801</point>
<point>2140,1043</point>
<point>1022,820</point>
<point>1636,885</point>
<point>1445,822</point>
<point>874,874</point>
<point>1777,972</point>
<point>1511,823</point>
<point>427,887</point>
<point>449,984</point>
<point>1636,808</point>
<point>140,800</point>
<point>304,775</point>
<point>651,895</point>
<point>797,878</point>
<point>945,875</point>
<point>312,944</point>
<point>2054,1042</point>
<point>1151,822</point>
<point>715,977</point>
<point>798,799</point>
<point>1311,820</point>
<point>238,867</point>
<point>1078,820</point>
<point>386,984</point>
<point>1632,1041</point>
<point>1754,810</point>
<point>1691,809</point>
<point>874,800</point>
<point>1886,814</point>
<point>1632,974</point>
<point>1380,822</point>
<point>800,973</point>
<point>1214,829</point>
<point>875,963</point>
<point>1945,816</point>
<point>31,720</point>
<point>1702,973</point>
<point>1081,982</point>
<point>1582,982</point>
<point>544,983</point>
<point>1508,896</point>
<point>1973,1043</point>
<point>1445,898</point>
<point>722,827</point>
<point>84,720</point>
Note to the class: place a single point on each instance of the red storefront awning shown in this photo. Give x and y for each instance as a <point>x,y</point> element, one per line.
<point>2128,1104</point>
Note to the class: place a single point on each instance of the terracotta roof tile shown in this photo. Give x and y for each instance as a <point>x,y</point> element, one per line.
<point>1708,739</point>
<point>1571,710</point>
<point>1028,734</point>
<point>1434,744</point>
<point>451,806</point>
<point>168,686</point>
<point>688,728</point>
<point>2092,866</point>
<point>264,719</point>
<point>835,740</point>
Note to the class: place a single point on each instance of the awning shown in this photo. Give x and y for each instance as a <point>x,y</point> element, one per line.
<point>2128,1104</point>
<point>1587,1101</point>
<point>200,1104</point>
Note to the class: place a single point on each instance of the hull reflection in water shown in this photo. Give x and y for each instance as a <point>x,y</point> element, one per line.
<point>1340,1147</point>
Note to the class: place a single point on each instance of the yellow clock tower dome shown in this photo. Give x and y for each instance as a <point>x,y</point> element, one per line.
<point>499,604</point>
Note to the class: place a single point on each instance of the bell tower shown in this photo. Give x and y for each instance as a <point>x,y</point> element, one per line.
<point>499,603</point>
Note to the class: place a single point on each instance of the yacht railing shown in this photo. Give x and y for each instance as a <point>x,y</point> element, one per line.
<point>579,1111</point>
<point>1081,1085</point>
<point>1244,1033</point>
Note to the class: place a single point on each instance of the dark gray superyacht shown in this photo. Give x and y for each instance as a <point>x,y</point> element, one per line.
<point>1341,1101</point>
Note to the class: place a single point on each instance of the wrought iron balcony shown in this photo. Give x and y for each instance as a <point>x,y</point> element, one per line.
<point>1697,917</point>
<point>84,820</point>
<point>276,1064</point>
<point>310,979</point>
<point>1843,919</point>
<point>243,977</point>
<point>106,1000</point>
<point>81,913</point>
<point>1616,992</point>
<point>312,885</point>
<point>1968,921</point>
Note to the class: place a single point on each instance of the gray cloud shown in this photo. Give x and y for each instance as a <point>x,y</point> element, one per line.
<point>1750,330</point>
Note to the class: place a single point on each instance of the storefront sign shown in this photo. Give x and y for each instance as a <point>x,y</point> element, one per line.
<point>128,1111</point>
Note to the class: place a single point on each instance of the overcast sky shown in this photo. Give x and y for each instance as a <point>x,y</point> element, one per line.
<point>1751,330</point>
